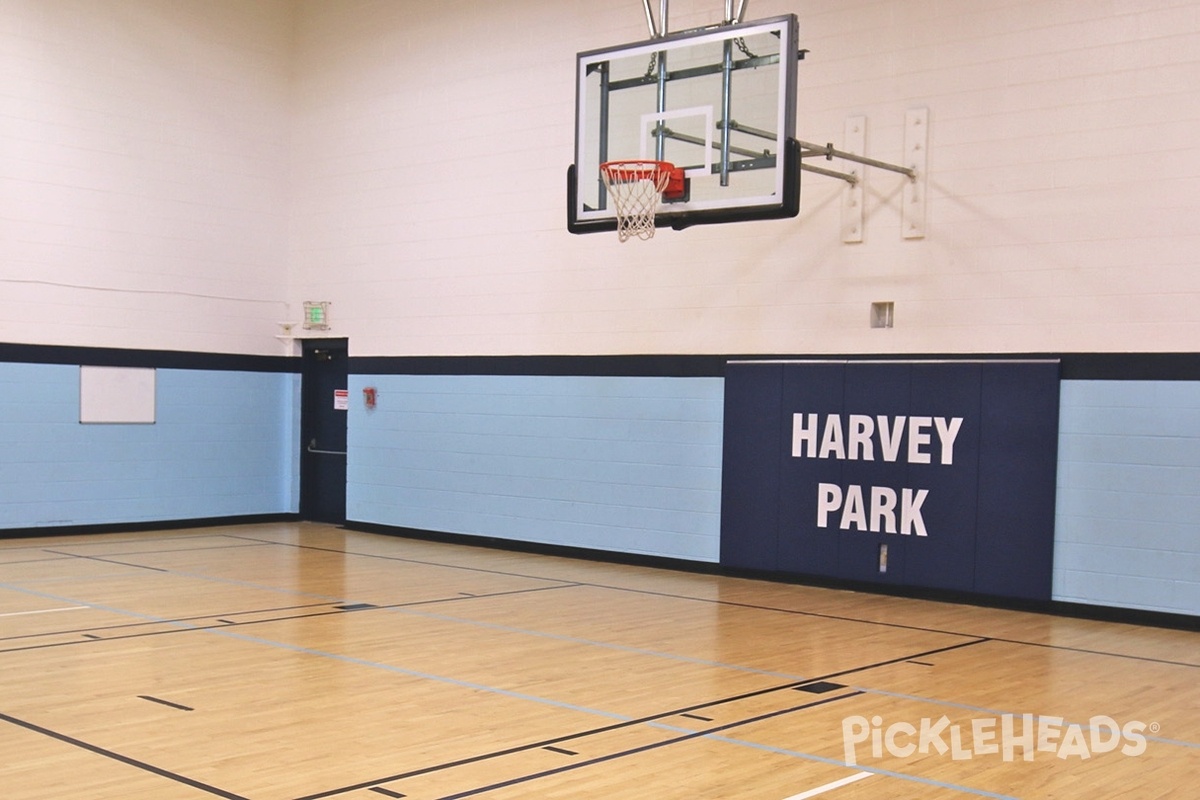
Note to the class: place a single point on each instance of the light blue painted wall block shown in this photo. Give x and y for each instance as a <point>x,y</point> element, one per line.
<point>1127,530</point>
<point>223,444</point>
<point>608,463</point>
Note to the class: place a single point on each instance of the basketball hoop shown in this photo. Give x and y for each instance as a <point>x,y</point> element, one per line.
<point>636,187</point>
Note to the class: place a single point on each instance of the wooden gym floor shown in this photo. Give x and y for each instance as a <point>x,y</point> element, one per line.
<point>289,661</point>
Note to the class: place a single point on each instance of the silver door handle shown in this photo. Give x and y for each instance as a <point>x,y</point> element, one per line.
<point>312,448</point>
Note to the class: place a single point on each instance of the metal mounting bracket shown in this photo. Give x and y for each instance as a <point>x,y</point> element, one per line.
<point>853,216</point>
<point>916,148</point>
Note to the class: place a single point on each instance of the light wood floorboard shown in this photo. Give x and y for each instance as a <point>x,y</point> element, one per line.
<point>299,661</point>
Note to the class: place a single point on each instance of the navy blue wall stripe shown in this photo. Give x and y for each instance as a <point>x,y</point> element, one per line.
<point>1075,366</point>
<point>152,525</point>
<point>636,366</point>
<point>159,359</point>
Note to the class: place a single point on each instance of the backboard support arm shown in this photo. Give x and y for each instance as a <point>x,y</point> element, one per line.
<point>650,23</point>
<point>810,150</point>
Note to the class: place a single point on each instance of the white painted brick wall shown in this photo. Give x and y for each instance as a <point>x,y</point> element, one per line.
<point>143,172</point>
<point>432,142</point>
<point>152,155</point>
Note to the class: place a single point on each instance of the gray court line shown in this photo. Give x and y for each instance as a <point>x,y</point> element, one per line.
<point>127,626</point>
<point>686,736</point>
<point>638,721</point>
<point>328,608</point>
<point>1016,715</point>
<point>167,551</point>
<point>83,603</point>
<point>112,575</point>
<point>107,561</point>
<point>412,673</point>
<point>182,574</point>
<point>834,762</point>
<point>596,643</point>
<point>245,584</point>
<point>478,624</point>
<point>4,564</point>
<point>399,670</point>
<point>485,625</point>
<point>707,600</point>
<point>422,562</point>
<point>179,573</point>
<point>362,662</point>
<point>583,641</point>
<point>63,551</point>
<point>41,611</point>
<point>502,692</point>
<point>512,629</point>
<point>227,633</point>
<point>59,543</point>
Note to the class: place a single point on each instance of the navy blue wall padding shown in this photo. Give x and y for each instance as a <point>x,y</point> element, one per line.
<point>982,523</point>
<point>947,560</point>
<point>749,466</point>
<point>817,389</point>
<point>880,389</point>
<point>1015,533</point>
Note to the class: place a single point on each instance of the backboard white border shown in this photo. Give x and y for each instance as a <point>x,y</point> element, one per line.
<point>783,27</point>
<point>648,124</point>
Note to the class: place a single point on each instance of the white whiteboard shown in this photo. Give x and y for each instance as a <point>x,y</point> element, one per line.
<point>116,394</point>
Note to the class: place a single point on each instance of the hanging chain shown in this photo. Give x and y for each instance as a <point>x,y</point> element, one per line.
<point>652,69</point>
<point>741,45</point>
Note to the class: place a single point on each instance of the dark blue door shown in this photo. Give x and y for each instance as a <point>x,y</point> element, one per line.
<point>323,431</point>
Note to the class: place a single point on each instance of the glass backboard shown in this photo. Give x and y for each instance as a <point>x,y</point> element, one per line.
<point>718,102</point>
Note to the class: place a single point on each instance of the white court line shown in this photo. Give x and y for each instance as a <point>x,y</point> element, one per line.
<point>858,776</point>
<point>43,611</point>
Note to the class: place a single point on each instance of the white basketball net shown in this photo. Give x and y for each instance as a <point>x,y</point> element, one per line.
<point>636,188</point>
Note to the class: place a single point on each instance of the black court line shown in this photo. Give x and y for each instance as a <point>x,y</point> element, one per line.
<point>694,599</point>
<point>1089,652</point>
<point>901,626</point>
<point>111,556</point>
<point>177,620</point>
<point>561,751</point>
<point>541,745</point>
<point>386,792</point>
<point>646,747</point>
<point>795,612</point>
<point>109,539</point>
<point>920,663</point>
<point>422,562</point>
<point>30,561</point>
<point>335,611</point>
<point>133,762</point>
<point>488,596</point>
<point>698,717</point>
<point>162,702</point>
<point>108,561</point>
<point>167,551</point>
